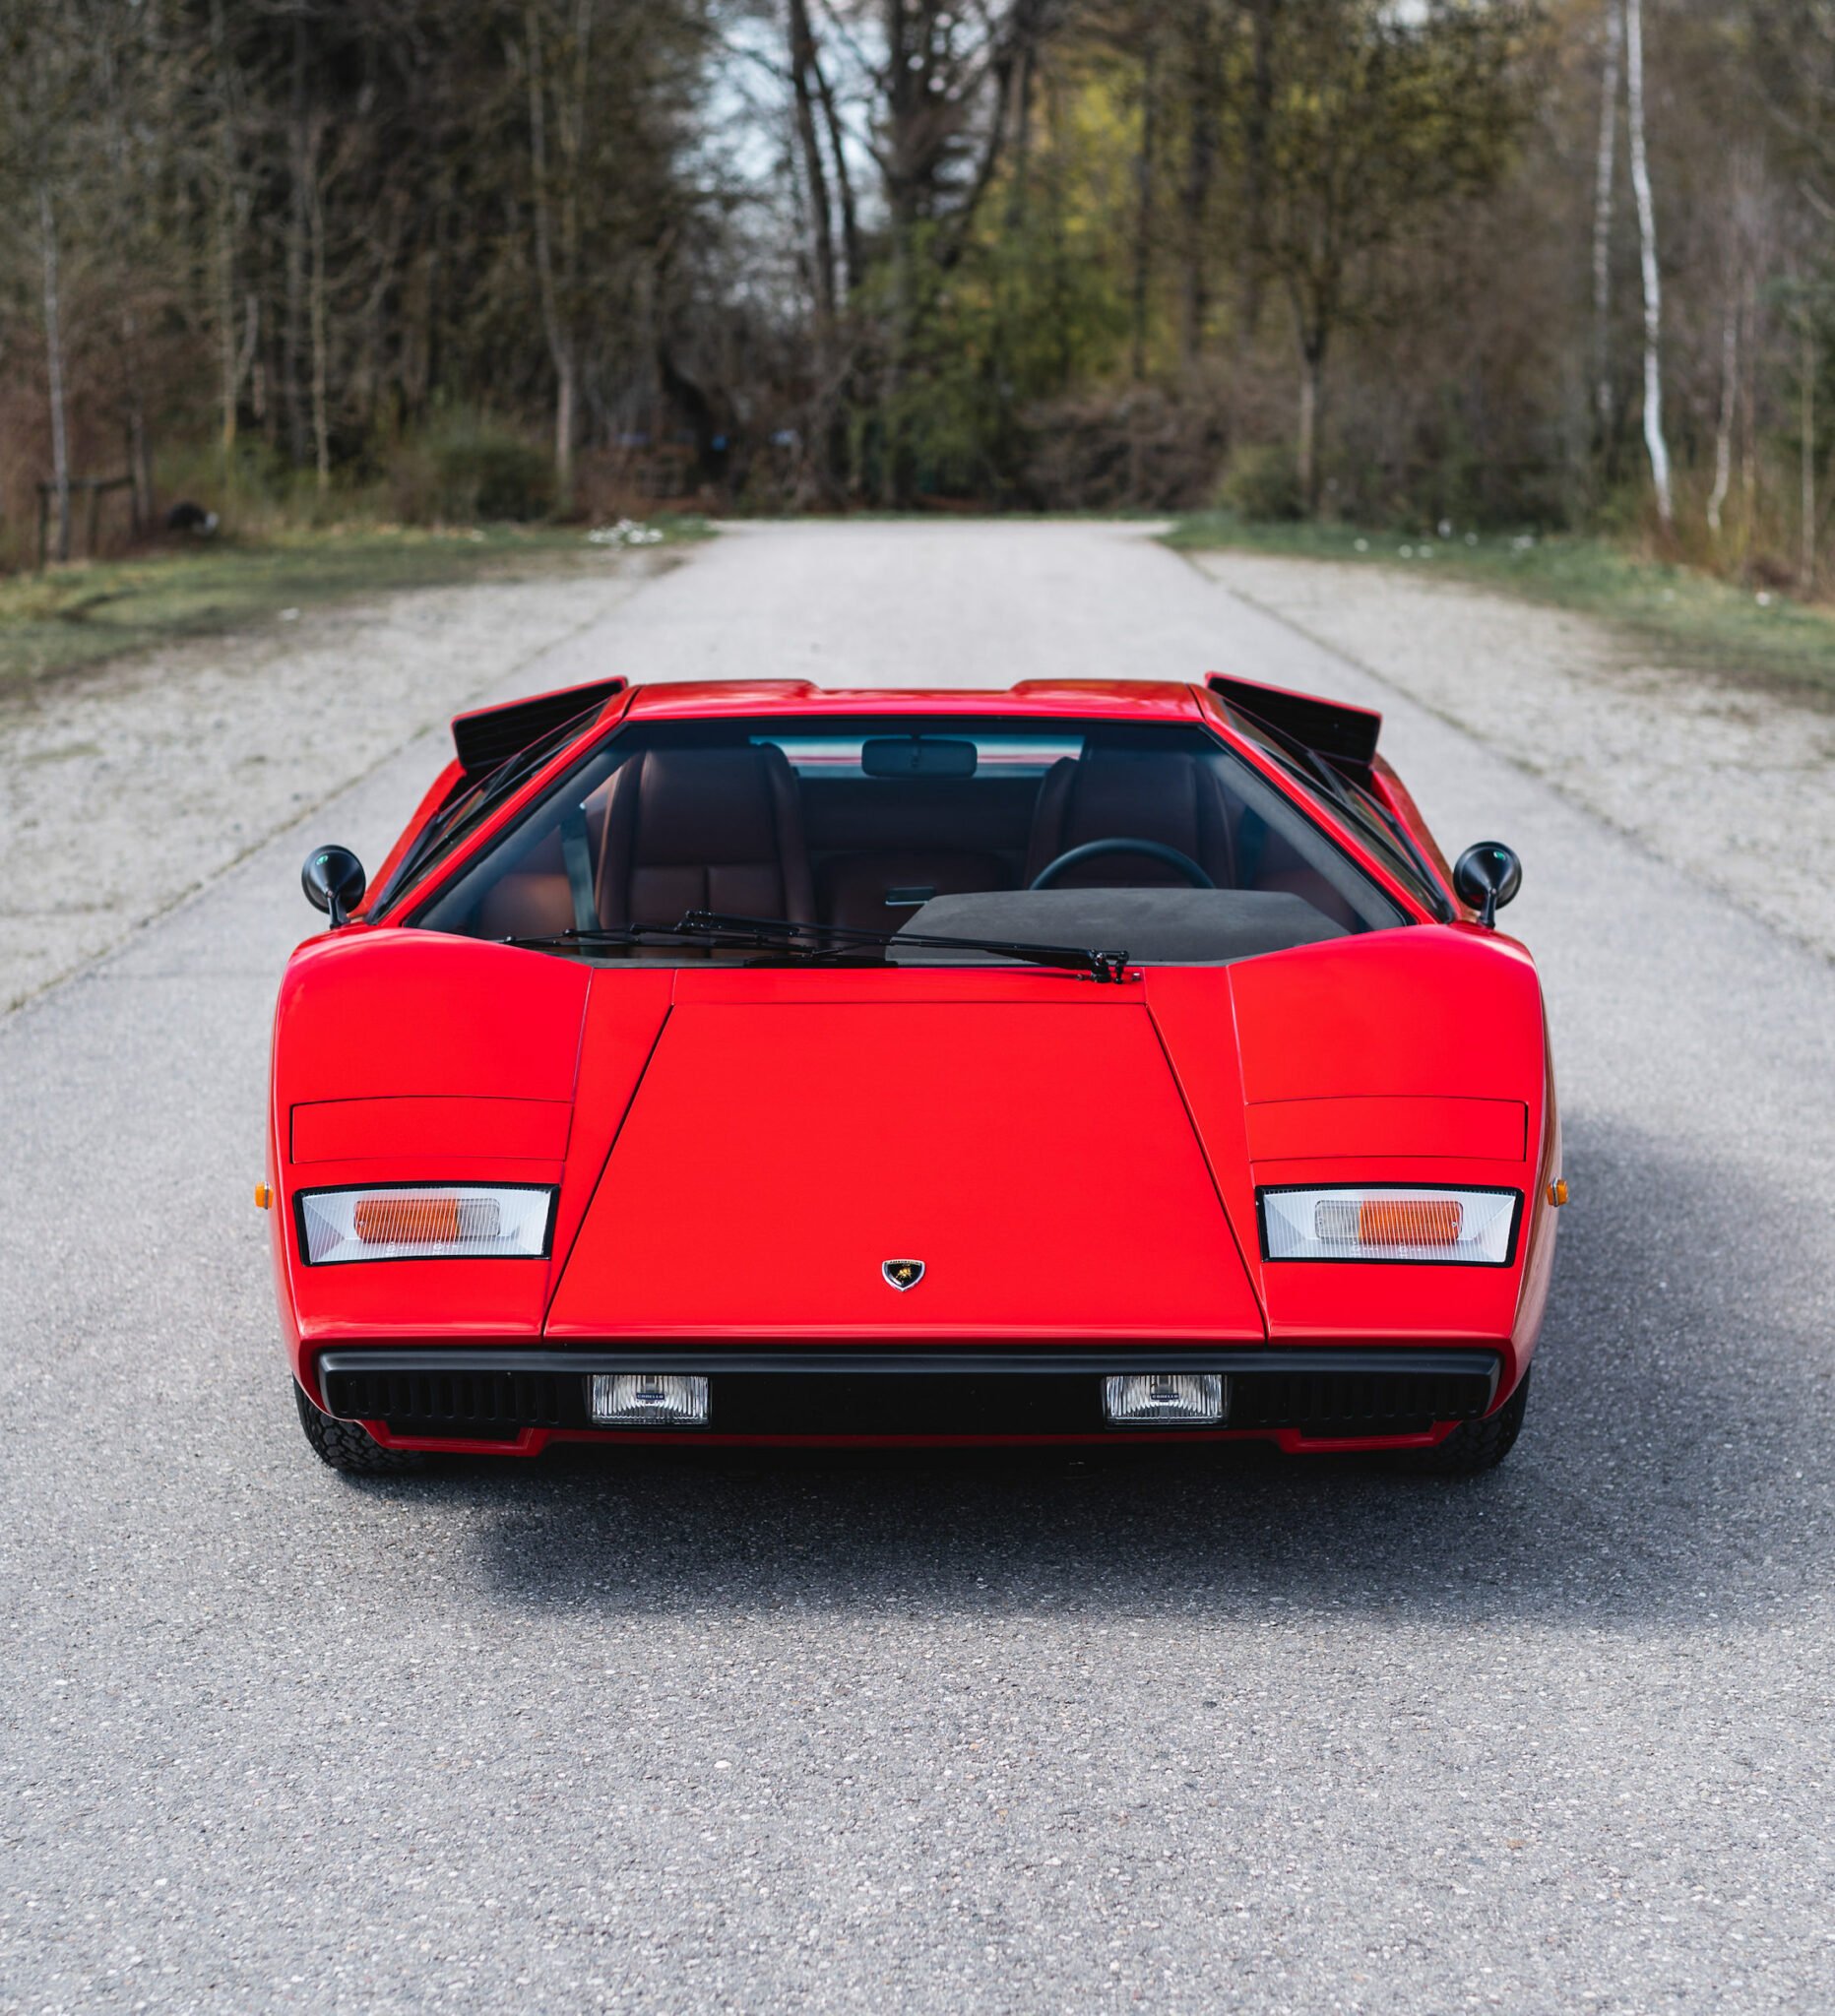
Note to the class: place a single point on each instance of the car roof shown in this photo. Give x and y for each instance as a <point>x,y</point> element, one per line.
<point>1125,699</point>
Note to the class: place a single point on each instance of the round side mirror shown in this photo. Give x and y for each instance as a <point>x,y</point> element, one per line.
<point>1487,876</point>
<point>334,881</point>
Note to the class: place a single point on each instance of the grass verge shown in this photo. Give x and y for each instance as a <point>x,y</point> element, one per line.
<point>70,617</point>
<point>1689,619</point>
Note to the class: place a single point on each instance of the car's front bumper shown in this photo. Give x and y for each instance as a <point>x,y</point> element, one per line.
<point>515,1400</point>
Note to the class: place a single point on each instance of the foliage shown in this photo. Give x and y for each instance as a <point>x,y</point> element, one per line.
<point>436,262</point>
<point>469,466</point>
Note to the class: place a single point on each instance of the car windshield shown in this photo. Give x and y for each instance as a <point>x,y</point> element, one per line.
<point>1154,838</point>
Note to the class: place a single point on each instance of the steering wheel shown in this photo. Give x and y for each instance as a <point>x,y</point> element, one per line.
<point>1154,849</point>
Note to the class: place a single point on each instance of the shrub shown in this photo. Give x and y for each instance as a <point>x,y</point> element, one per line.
<point>1263,485</point>
<point>469,468</point>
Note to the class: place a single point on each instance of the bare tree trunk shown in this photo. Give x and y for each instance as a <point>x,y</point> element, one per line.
<point>559,335</point>
<point>1312,396</point>
<point>1654,442</point>
<point>843,180</point>
<point>229,375</point>
<point>1200,164</point>
<point>1602,225</point>
<point>321,424</point>
<point>1257,120</point>
<point>1749,442</point>
<point>54,365</point>
<point>802,57</point>
<point>292,334</point>
<point>1806,566</point>
<point>1144,206</point>
<point>1723,430</point>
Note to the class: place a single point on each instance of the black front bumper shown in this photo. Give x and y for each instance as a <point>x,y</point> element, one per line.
<point>492,1395</point>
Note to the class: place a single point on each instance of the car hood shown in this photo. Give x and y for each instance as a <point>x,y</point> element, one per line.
<point>1031,1151</point>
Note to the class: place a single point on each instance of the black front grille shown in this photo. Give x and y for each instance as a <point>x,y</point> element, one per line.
<point>492,1395</point>
<point>455,1400</point>
<point>1373,1402</point>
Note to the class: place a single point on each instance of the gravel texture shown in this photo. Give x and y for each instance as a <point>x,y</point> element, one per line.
<point>1731,781</point>
<point>124,788</point>
<point>956,1736</point>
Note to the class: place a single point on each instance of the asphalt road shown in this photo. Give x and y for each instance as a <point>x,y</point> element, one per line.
<point>1237,1734</point>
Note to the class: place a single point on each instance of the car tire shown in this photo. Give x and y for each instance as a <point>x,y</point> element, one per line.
<point>348,1446</point>
<point>1473,1446</point>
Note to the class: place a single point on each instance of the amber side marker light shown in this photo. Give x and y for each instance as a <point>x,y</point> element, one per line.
<point>1558,1192</point>
<point>264,1197</point>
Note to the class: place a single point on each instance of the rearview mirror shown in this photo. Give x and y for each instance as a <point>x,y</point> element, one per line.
<point>334,881</point>
<point>1487,876</point>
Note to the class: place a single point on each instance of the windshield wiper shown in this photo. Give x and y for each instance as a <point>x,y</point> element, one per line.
<point>811,942</point>
<point>774,932</point>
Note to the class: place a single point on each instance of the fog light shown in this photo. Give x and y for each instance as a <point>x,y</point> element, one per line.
<point>647,1400</point>
<point>1172,1400</point>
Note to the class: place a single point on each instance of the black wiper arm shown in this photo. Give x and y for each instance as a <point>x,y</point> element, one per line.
<point>780,933</point>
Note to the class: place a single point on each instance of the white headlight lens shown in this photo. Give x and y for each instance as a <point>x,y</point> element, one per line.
<point>1390,1221</point>
<point>649,1399</point>
<point>425,1221</point>
<point>1168,1399</point>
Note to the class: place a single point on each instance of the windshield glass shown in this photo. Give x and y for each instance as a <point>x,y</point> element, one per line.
<point>1372,822</point>
<point>864,826</point>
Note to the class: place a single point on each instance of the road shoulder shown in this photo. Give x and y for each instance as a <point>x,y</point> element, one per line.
<point>1736,785</point>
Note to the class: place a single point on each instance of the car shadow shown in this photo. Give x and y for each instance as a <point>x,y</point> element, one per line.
<point>1671,1467</point>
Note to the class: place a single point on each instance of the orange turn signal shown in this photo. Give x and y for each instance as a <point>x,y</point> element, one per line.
<point>1410,1221</point>
<point>264,1197</point>
<point>1558,1192</point>
<point>386,1220</point>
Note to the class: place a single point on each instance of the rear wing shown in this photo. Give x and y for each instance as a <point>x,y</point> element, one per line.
<point>491,736</point>
<point>1344,736</point>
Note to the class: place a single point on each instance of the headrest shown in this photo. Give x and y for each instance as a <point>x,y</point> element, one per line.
<point>1146,797</point>
<point>696,806</point>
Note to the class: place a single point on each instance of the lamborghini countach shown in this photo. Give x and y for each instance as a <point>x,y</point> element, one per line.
<point>753,1063</point>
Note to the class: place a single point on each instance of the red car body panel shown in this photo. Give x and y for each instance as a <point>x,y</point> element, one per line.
<point>736,1150</point>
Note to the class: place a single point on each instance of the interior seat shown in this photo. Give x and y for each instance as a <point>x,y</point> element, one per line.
<point>704,829</point>
<point>1177,801</point>
<point>878,892</point>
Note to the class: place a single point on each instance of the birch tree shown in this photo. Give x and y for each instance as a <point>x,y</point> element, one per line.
<point>1605,165</point>
<point>1654,443</point>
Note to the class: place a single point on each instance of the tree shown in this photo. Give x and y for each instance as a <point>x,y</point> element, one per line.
<point>1376,122</point>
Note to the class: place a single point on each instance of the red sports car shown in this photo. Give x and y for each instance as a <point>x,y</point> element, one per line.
<point>755,1063</point>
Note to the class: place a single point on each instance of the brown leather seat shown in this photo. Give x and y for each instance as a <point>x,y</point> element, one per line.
<point>704,829</point>
<point>1177,800</point>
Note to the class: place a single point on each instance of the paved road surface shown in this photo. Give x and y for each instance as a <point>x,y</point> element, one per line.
<point>1245,1735</point>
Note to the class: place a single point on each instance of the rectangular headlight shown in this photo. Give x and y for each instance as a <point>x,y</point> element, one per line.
<point>647,1400</point>
<point>425,1221</point>
<point>1412,1222</point>
<point>1165,1400</point>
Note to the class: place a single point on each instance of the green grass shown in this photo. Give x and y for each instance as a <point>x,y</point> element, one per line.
<point>70,617</point>
<point>1687,619</point>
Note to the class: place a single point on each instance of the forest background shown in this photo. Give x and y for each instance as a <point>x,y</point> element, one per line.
<point>1446,265</point>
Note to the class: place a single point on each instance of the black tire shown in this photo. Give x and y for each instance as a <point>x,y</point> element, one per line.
<point>1473,1446</point>
<point>348,1446</point>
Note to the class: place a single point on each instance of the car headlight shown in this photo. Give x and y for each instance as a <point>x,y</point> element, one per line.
<point>1412,1222</point>
<point>425,1221</point>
